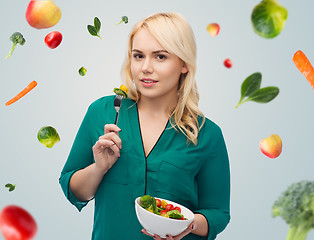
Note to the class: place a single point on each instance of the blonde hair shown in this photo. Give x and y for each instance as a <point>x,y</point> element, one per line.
<point>174,33</point>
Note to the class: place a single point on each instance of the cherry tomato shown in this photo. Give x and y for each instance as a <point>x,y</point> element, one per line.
<point>169,207</point>
<point>228,63</point>
<point>53,39</point>
<point>17,224</point>
<point>158,202</point>
<point>177,208</point>
<point>163,203</point>
<point>162,212</point>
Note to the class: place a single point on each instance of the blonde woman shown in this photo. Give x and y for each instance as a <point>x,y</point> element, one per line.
<point>162,145</point>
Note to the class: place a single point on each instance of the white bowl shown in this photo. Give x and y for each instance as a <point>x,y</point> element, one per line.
<point>155,224</point>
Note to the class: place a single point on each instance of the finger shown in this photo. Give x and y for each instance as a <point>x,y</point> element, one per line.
<point>146,233</point>
<point>111,128</point>
<point>101,144</point>
<point>113,137</point>
<point>183,234</point>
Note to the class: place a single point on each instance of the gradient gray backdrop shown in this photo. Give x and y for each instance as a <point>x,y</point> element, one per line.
<point>62,97</point>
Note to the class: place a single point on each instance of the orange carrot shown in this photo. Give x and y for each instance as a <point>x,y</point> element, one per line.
<point>304,66</point>
<point>22,93</point>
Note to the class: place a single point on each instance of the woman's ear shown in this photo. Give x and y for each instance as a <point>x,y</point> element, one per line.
<point>184,69</point>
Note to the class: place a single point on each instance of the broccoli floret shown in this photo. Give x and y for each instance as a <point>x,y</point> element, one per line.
<point>16,38</point>
<point>296,207</point>
<point>123,19</point>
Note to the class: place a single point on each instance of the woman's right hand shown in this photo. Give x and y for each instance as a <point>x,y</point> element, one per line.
<point>107,149</point>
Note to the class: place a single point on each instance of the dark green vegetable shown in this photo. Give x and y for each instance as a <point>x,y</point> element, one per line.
<point>296,206</point>
<point>94,30</point>
<point>268,18</point>
<point>250,89</point>
<point>82,71</point>
<point>48,136</point>
<point>174,214</point>
<point>123,19</point>
<point>148,202</point>
<point>16,38</point>
<point>119,91</point>
<point>10,186</point>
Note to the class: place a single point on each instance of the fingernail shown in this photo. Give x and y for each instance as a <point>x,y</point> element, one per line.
<point>193,227</point>
<point>154,237</point>
<point>167,235</point>
<point>120,146</point>
<point>118,154</point>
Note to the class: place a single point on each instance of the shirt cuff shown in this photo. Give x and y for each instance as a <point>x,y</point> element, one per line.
<point>216,221</point>
<point>64,181</point>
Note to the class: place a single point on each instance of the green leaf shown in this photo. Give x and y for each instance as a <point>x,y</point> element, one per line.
<point>97,24</point>
<point>251,84</point>
<point>92,30</point>
<point>264,95</point>
<point>10,186</point>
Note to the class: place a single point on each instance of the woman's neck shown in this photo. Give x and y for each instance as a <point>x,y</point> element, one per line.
<point>157,106</point>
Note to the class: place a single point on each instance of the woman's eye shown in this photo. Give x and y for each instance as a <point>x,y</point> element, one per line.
<point>161,57</point>
<point>138,56</point>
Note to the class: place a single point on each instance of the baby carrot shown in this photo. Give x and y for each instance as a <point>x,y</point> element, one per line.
<point>304,66</point>
<point>22,93</point>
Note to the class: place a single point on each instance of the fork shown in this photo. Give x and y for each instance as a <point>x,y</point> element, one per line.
<point>117,105</point>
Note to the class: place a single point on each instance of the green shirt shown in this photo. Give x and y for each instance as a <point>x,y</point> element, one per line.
<point>197,177</point>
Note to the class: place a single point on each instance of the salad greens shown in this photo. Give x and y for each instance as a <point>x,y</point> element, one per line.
<point>251,91</point>
<point>94,30</point>
<point>10,186</point>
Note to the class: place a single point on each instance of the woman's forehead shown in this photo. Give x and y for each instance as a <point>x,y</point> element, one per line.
<point>143,40</point>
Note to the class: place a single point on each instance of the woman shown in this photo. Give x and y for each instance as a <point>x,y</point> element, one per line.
<point>162,144</point>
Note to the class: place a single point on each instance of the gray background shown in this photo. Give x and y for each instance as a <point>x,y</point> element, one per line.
<point>62,97</point>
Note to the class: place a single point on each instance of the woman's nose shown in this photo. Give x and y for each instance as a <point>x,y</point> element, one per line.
<point>147,66</point>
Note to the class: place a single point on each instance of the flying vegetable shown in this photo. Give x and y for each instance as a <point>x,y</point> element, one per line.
<point>296,207</point>
<point>16,38</point>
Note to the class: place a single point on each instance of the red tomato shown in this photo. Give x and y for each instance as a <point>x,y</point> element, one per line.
<point>177,208</point>
<point>169,207</point>
<point>163,212</point>
<point>53,39</point>
<point>158,202</point>
<point>17,224</point>
<point>228,63</point>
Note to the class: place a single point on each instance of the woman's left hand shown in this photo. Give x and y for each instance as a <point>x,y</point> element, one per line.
<point>169,237</point>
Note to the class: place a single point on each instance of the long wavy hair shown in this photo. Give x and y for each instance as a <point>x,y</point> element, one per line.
<point>175,34</point>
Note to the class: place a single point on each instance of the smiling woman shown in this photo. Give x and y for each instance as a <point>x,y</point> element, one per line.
<point>161,136</point>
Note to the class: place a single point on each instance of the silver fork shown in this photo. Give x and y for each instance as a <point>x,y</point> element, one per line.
<point>117,105</point>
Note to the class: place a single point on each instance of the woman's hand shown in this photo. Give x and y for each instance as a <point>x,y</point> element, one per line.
<point>178,237</point>
<point>107,149</point>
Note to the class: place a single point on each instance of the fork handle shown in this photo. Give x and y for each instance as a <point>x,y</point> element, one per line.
<point>116,120</point>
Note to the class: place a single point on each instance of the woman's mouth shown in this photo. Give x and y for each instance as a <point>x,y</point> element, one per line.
<point>148,82</point>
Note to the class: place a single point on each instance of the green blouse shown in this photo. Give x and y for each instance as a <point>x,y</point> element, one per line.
<point>197,177</point>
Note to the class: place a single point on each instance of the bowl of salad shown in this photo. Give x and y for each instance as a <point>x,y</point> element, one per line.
<point>162,217</point>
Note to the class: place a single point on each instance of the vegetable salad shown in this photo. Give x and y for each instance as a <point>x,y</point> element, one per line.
<point>161,207</point>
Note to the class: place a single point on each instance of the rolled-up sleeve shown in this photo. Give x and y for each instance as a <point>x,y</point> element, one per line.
<point>80,156</point>
<point>213,182</point>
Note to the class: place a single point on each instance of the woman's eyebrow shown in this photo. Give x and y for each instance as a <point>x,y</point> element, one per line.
<point>154,52</point>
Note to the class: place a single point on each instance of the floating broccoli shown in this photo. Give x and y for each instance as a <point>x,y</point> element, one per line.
<point>16,38</point>
<point>123,19</point>
<point>48,136</point>
<point>296,207</point>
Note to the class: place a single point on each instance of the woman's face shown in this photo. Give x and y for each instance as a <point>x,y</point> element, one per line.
<point>155,71</point>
